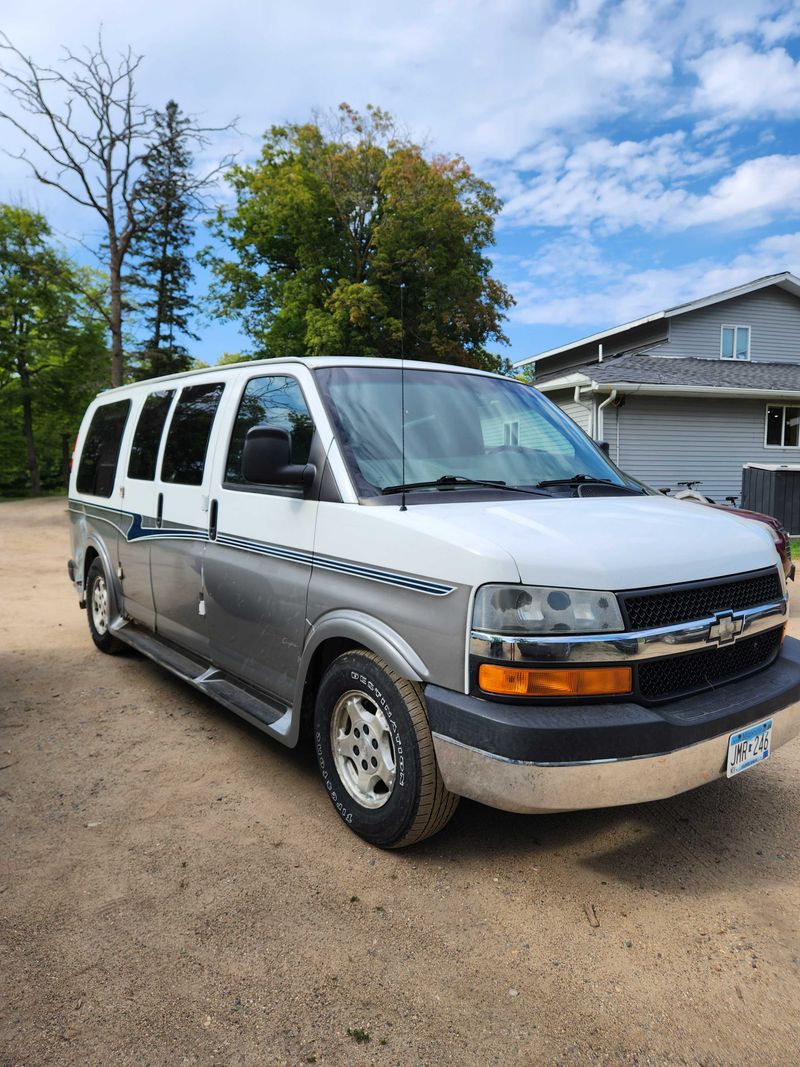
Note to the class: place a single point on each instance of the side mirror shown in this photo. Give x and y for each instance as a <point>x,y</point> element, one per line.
<point>267,459</point>
<point>604,446</point>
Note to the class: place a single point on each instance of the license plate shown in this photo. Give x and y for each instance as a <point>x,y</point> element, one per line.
<point>749,747</point>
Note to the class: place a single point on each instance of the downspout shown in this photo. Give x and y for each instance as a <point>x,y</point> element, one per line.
<point>611,397</point>
<point>589,407</point>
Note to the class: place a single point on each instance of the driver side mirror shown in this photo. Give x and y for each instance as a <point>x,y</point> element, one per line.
<point>267,459</point>
<point>604,447</point>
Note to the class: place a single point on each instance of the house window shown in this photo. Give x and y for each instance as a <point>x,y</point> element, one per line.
<point>735,342</point>
<point>511,433</point>
<point>783,426</point>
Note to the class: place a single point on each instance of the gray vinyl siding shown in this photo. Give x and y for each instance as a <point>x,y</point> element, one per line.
<point>532,431</point>
<point>651,337</point>
<point>664,440</point>
<point>577,412</point>
<point>772,314</point>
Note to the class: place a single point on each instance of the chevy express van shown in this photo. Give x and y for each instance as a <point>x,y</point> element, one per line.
<point>438,577</point>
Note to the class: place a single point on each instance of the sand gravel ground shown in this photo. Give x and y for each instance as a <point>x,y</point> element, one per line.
<point>174,889</point>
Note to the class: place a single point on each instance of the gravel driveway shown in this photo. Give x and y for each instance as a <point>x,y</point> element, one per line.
<point>174,889</point>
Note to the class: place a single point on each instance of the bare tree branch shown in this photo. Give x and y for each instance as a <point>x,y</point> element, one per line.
<point>91,138</point>
<point>86,127</point>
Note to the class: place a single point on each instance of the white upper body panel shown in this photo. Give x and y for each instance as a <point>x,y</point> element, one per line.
<point>615,543</point>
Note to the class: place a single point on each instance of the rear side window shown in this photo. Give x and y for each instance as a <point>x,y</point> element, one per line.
<point>189,434</point>
<point>147,438</point>
<point>276,400</point>
<point>98,466</point>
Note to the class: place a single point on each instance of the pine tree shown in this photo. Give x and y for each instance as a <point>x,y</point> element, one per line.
<point>168,202</point>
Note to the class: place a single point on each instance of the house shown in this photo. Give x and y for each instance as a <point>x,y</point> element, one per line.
<point>692,392</point>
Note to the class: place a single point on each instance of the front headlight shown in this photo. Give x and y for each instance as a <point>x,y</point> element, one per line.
<point>533,609</point>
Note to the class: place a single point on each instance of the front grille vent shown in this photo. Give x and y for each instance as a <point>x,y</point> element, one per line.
<point>647,609</point>
<point>674,676</point>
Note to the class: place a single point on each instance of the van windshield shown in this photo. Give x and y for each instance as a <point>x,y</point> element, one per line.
<point>459,428</point>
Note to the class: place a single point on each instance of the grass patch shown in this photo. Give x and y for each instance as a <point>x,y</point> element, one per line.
<point>795,544</point>
<point>358,1035</point>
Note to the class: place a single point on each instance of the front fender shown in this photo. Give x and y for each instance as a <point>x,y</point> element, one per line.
<point>368,631</point>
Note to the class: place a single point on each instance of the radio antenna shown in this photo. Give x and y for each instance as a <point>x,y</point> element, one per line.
<point>402,403</point>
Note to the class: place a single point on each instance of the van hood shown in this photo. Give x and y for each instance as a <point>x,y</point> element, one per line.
<point>614,543</point>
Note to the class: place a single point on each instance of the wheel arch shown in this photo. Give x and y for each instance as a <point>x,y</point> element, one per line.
<point>344,631</point>
<point>96,549</point>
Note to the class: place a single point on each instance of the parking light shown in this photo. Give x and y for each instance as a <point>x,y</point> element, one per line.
<point>560,682</point>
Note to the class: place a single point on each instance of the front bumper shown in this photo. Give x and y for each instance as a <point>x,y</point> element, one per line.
<point>566,758</point>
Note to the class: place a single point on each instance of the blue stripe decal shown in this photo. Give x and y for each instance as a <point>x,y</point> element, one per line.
<point>138,532</point>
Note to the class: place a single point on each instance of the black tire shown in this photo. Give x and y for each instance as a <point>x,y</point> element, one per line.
<point>416,805</point>
<point>96,585</point>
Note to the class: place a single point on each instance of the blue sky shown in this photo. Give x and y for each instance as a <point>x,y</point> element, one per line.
<point>647,152</point>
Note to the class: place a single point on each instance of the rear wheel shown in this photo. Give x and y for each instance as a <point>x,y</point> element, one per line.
<point>98,609</point>
<point>375,753</point>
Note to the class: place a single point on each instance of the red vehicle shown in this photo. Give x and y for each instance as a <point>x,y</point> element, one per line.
<point>779,533</point>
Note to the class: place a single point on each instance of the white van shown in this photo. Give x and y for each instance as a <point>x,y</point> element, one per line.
<point>433,572</point>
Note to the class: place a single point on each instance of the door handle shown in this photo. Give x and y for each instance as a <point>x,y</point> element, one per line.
<point>160,510</point>
<point>212,520</point>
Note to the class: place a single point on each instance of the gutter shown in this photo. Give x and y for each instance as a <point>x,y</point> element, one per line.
<point>657,389</point>
<point>567,381</point>
<point>707,391</point>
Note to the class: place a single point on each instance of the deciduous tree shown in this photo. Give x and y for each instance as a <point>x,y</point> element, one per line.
<point>350,240</point>
<point>53,355</point>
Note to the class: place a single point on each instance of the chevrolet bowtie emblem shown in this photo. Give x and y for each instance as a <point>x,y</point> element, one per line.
<point>725,629</point>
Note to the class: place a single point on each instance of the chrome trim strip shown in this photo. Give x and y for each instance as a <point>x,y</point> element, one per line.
<point>615,648</point>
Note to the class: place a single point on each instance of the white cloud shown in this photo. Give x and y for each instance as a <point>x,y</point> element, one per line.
<point>739,82</point>
<point>484,79</point>
<point>758,191</point>
<point>785,24</point>
<point>610,186</point>
<point>693,28</point>
<point>623,292</point>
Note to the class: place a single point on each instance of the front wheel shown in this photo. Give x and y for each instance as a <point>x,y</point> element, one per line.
<point>375,753</point>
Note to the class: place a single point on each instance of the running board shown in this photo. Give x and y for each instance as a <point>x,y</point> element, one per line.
<point>268,715</point>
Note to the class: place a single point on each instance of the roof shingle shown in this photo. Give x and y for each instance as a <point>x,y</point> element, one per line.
<point>683,371</point>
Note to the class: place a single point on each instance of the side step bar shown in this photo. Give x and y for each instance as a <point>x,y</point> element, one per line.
<point>268,715</point>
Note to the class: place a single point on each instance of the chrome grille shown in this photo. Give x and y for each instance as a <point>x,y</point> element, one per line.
<point>646,609</point>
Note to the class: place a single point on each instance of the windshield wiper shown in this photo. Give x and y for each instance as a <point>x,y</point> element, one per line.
<point>456,481</point>
<point>586,479</point>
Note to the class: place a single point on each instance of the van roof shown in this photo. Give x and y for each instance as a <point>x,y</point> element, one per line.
<point>312,362</point>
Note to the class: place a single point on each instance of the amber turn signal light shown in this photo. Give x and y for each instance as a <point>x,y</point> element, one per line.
<point>554,682</point>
